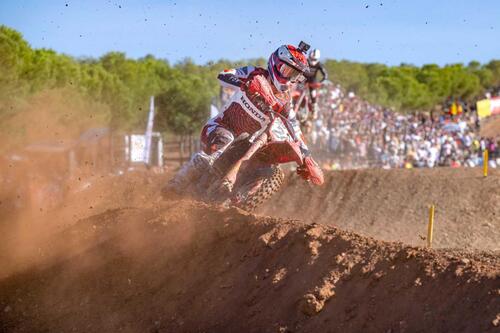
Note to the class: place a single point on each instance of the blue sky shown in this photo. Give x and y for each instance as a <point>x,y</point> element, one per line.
<point>385,31</point>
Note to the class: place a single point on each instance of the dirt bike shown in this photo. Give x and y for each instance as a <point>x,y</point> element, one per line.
<point>248,172</point>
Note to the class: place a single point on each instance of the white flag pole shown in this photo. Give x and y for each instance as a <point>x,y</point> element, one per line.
<point>149,130</point>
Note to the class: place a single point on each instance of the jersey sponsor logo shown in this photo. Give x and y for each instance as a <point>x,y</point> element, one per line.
<point>229,80</point>
<point>252,110</point>
<point>233,79</point>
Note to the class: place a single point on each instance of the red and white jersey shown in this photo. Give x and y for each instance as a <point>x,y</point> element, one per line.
<point>240,114</point>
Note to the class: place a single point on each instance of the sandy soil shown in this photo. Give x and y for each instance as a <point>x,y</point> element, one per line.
<point>116,258</point>
<point>393,205</point>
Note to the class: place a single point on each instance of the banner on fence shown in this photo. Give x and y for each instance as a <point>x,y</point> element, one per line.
<point>488,107</point>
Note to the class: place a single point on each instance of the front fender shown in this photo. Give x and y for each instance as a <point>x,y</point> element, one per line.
<point>280,152</point>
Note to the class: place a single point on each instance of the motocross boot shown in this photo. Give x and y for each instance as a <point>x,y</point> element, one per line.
<point>189,173</point>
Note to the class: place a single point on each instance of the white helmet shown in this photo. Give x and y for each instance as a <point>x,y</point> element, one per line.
<point>287,64</point>
<point>314,56</point>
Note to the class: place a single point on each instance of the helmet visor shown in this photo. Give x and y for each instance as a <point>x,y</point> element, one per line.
<point>290,73</point>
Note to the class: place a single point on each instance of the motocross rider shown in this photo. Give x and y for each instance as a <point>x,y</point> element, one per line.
<point>247,112</point>
<point>315,67</point>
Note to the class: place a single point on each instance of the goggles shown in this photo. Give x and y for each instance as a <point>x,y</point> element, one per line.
<point>290,73</point>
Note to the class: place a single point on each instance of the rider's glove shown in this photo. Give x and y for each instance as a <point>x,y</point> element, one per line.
<point>310,170</point>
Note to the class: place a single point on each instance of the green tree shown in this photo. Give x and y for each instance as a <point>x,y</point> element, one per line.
<point>120,87</point>
<point>15,54</point>
<point>184,106</point>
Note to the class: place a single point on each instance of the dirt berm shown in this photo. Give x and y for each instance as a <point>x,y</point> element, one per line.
<point>394,205</point>
<point>180,266</point>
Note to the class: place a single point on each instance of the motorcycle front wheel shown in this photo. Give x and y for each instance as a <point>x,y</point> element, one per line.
<point>259,188</point>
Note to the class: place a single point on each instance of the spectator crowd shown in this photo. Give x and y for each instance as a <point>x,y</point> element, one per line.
<point>352,133</point>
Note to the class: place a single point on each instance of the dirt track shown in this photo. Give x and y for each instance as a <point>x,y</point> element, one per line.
<point>185,268</point>
<point>113,258</point>
<point>393,205</point>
